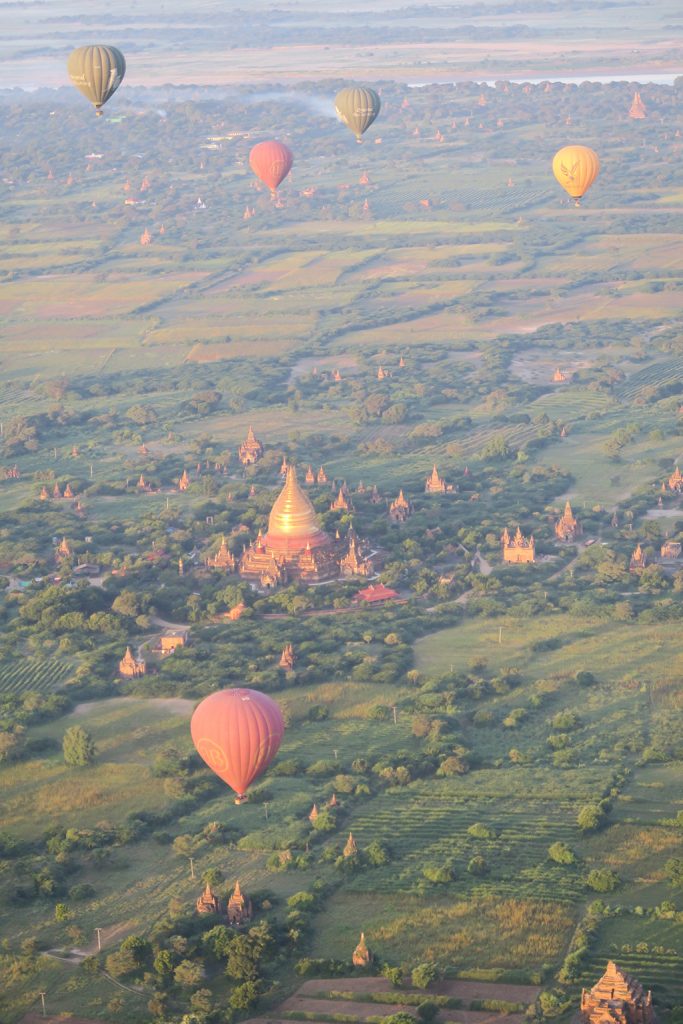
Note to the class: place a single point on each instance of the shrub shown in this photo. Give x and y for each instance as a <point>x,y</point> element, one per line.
<point>423,975</point>
<point>478,866</point>
<point>590,818</point>
<point>602,880</point>
<point>481,831</point>
<point>561,854</point>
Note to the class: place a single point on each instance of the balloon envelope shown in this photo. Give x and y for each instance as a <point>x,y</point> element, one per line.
<point>271,162</point>
<point>576,168</point>
<point>357,107</point>
<point>97,72</point>
<point>238,733</point>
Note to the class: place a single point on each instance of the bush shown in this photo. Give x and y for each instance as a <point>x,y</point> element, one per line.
<point>602,880</point>
<point>423,975</point>
<point>561,854</point>
<point>590,818</point>
<point>481,831</point>
<point>478,866</point>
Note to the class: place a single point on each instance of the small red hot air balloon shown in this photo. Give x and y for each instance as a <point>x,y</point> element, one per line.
<point>271,162</point>
<point>238,733</point>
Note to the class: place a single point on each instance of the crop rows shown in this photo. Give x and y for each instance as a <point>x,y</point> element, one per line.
<point>32,674</point>
<point>651,376</point>
<point>571,403</point>
<point>420,833</point>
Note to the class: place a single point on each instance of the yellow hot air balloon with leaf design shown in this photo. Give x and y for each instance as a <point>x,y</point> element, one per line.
<point>576,168</point>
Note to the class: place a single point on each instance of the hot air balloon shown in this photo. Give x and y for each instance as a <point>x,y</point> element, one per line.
<point>238,733</point>
<point>97,72</point>
<point>357,107</point>
<point>271,162</point>
<point>576,168</point>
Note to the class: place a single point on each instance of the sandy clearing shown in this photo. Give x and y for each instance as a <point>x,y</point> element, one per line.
<point>174,705</point>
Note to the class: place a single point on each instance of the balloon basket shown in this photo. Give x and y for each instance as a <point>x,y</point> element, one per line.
<point>241,799</point>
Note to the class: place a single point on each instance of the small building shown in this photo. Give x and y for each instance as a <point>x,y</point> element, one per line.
<point>87,569</point>
<point>434,484</point>
<point>637,111</point>
<point>251,450</point>
<point>518,549</point>
<point>208,902</point>
<point>354,562</point>
<point>64,549</point>
<point>184,481</point>
<point>567,527</point>
<point>68,493</point>
<point>223,559</point>
<point>400,509</point>
<point>375,496</point>
<point>236,612</point>
<point>130,667</point>
<point>559,377</point>
<point>670,550</point>
<point>376,593</point>
<point>287,658</point>
<point>239,907</point>
<point>361,957</point>
<point>676,481</point>
<point>321,477</point>
<point>44,494</point>
<point>313,816</point>
<point>342,503</point>
<point>169,642</point>
<point>351,848</point>
<point>638,559</point>
<point>616,999</point>
<point>310,476</point>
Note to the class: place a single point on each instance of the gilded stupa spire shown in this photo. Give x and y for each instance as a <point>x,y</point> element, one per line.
<point>293,515</point>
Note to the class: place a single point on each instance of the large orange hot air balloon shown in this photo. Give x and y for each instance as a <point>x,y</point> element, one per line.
<point>237,733</point>
<point>576,168</point>
<point>271,162</point>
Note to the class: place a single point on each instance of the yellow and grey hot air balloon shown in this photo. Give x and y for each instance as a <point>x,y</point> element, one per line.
<point>97,72</point>
<point>576,168</point>
<point>357,107</point>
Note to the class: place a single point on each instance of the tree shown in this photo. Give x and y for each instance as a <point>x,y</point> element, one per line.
<point>189,973</point>
<point>478,866</point>
<point>78,747</point>
<point>673,869</point>
<point>602,880</point>
<point>590,817</point>
<point>427,1011</point>
<point>423,975</point>
<point>244,996</point>
<point>561,854</point>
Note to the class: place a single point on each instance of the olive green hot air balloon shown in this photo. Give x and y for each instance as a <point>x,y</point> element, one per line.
<point>357,107</point>
<point>97,72</point>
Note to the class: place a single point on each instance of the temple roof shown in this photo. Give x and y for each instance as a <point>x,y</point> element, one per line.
<point>293,516</point>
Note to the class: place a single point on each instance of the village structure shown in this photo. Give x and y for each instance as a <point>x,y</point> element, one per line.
<point>616,999</point>
<point>567,527</point>
<point>517,548</point>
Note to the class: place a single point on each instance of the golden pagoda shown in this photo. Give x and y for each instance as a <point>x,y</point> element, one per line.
<point>381,373</point>
<point>56,493</point>
<point>401,363</point>
<point>637,111</point>
<point>616,999</point>
<point>676,481</point>
<point>287,658</point>
<point>239,907</point>
<point>313,816</point>
<point>310,476</point>
<point>145,237</point>
<point>184,481</point>
<point>638,559</point>
<point>223,559</point>
<point>519,548</point>
<point>130,667</point>
<point>351,849</point>
<point>237,611</point>
<point>559,377</point>
<point>400,509</point>
<point>568,527</point>
<point>208,902</point>
<point>321,478</point>
<point>375,496</point>
<point>251,450</point>
<point>68,493</point>
<point>294,545</point>
<point>142,483</point>
<point>362,957</point>
<point>44,494</point>
<point>434,484</point>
